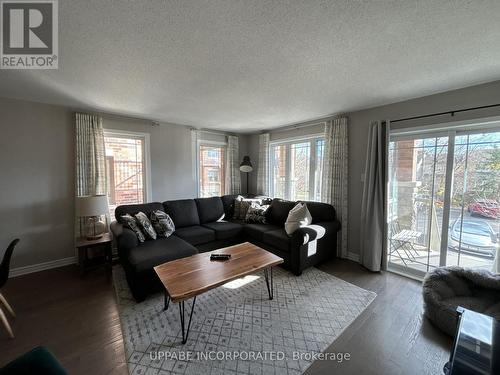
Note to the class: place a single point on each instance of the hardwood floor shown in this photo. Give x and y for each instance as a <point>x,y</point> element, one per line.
<point>391,336</point>
<point>77,319</point>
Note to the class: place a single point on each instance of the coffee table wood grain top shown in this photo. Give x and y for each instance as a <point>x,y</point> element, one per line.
<point>188,277</point>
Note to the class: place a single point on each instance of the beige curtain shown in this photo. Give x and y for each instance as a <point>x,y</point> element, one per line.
<point>373,252</point>
<point>233,178</point>
<point>263,166</point>
<point>90,159</point>
<point>335,176</point>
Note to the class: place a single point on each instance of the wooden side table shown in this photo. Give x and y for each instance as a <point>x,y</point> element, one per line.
<point>86,264</point>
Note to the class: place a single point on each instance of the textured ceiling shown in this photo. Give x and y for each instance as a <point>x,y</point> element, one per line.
<point>246,65</point>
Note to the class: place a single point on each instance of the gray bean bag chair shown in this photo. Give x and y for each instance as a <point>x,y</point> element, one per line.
<point>446,288</point>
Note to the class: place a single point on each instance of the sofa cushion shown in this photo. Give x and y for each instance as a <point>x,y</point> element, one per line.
<point>320,211</point>
<point>278,211</point>
<point>152,253</point>
<point>224,229</point>
<point>277,238</point>
<point>195,234</point>
<point>183,212</point>
<point>132,209</point>
<point>209,209</point>
<point>256,231</point>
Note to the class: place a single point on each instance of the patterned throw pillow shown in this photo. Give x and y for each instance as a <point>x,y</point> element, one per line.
<point>237,207</point>
<point>242,205</point>
<point>162,223</point>
<point>130,223</point>
<point>145,225</point>
<point>256,214</point>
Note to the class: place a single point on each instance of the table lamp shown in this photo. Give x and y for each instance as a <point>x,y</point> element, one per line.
<point>92,207</point>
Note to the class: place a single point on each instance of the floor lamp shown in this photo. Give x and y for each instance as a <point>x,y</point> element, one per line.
<point>246,167</point>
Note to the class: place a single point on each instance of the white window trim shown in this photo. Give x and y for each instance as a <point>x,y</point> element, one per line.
<point>148,194</point>
<point>473,125</point>
<point>199,143</point>
<point>297,139</point>
<point>289,141</point>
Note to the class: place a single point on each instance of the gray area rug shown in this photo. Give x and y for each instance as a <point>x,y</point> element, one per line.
<point>236,329</point>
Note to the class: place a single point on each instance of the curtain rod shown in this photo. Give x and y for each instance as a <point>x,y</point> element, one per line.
<point>293,127</point>
<point>445,113</point>
<point>214,131</point>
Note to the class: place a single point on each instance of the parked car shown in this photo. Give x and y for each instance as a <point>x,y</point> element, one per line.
<point>485,207</point>
<point>478,238</point>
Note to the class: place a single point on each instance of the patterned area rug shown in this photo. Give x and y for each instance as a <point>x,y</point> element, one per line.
<point>236,329</point>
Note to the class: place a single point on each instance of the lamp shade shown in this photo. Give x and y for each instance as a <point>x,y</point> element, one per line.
<point>246,165</point>
<point>92,205</point>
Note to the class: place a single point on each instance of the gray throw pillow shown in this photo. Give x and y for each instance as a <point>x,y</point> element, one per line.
<point>145,225</point>
<point>162,223</point>
<point>256,214</point>
<point>129,222</point>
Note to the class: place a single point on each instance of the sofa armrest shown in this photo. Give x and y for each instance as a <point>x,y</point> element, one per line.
<point>125,237</point>
<point>313,232</point>
<point>312,243</point>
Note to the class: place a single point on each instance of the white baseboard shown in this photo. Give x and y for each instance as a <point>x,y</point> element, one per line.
<point>42,266</point>
<point>353,256</point>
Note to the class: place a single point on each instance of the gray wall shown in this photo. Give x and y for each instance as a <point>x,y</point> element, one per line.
<point>172,175</point>
<point>252,145</point>
<point>243,146</point>
<point>358,130</point>
<point>474,96</point>
<point>37,169</point>
<point>37,181</point>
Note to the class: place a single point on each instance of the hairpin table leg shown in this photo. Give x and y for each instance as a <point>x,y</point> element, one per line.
<point>268,274</point>
<point>167,301</point>
<point>185,332</point>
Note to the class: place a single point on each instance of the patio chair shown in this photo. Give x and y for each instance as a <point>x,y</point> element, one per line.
<point>403,240</point>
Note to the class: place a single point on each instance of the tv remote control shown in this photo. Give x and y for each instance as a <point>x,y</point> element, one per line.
<point>220,256</point>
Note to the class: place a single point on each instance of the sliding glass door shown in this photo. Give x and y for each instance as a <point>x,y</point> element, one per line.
<point>474,205</point>
<point>443,200</point>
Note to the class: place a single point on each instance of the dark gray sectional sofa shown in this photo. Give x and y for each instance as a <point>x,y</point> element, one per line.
<point>206,224</point>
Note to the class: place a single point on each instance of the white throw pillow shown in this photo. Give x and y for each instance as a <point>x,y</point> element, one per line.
<point>299,216</point>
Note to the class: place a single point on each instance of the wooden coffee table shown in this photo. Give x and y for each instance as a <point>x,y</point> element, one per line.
<point>191,276</point>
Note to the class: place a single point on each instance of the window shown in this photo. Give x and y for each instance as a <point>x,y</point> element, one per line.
<point>213,175</point>
<point>296,169</point>
<point>126,168</point>
<point>211,167</point>
<point>443,196</point>
<point>213,153</point>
